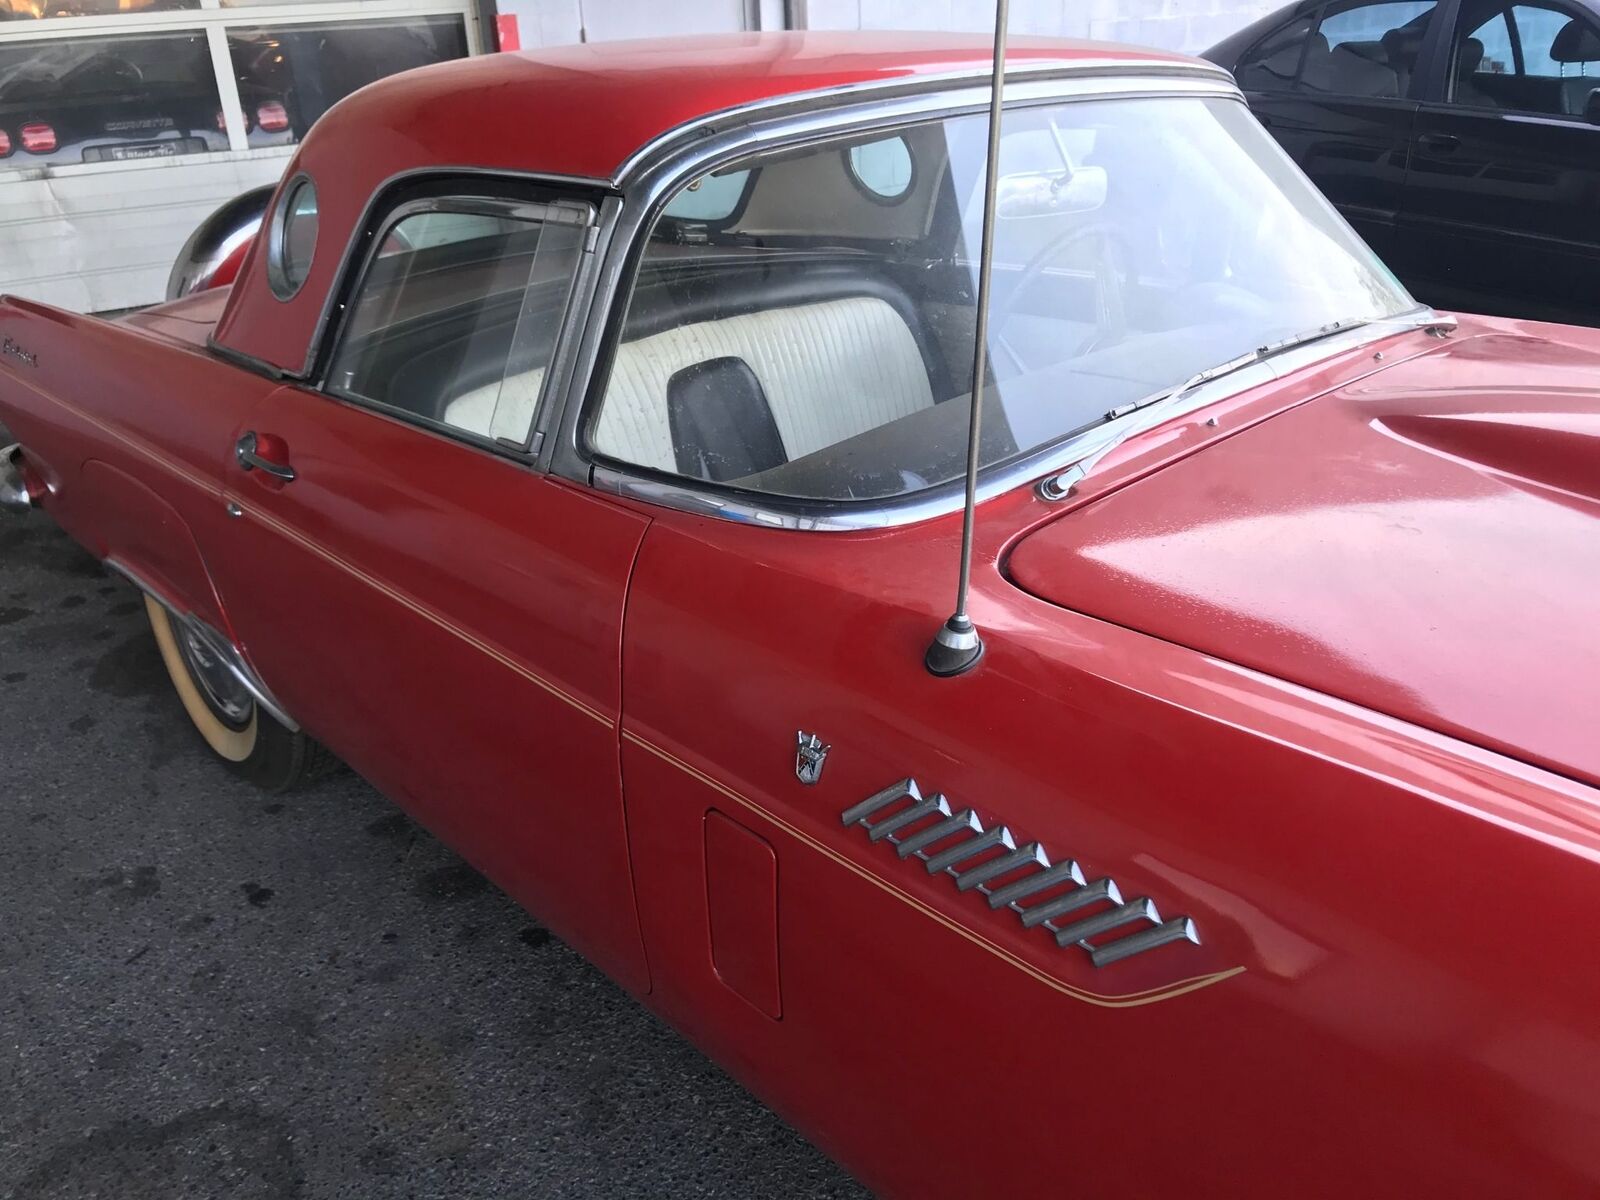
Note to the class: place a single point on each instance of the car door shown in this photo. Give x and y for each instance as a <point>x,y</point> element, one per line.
<point>1335,84</point>
<point>442,615</point>
<point>1502,207</point>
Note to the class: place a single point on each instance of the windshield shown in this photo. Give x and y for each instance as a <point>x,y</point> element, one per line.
<point>811,334</point>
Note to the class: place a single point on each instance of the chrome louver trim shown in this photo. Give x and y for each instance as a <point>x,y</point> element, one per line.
<point>908,829</point>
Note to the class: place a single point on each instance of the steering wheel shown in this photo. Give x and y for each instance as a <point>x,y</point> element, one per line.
<point>1110,271</point>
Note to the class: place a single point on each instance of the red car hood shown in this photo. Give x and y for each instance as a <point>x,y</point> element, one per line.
<point>1425,543</point>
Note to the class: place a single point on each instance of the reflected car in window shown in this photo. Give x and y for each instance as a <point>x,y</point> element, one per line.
<point>1462,139</point>
<point>110,99</point>
<point>578,452</point>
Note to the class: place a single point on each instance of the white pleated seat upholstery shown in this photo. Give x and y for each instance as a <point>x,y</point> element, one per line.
<point>830,370</point>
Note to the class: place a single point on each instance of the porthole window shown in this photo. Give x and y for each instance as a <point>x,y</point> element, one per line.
<point>293,239</point>
<point>882,169</point>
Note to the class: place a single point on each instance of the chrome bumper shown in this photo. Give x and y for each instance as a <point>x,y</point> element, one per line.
<point>14,494</point>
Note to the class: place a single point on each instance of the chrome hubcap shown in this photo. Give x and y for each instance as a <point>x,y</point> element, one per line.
<point>227,697</point>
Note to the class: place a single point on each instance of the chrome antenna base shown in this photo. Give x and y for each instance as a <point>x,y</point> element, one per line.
<point>956,648</point>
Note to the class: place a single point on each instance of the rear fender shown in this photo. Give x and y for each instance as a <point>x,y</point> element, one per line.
<point>142,535</point>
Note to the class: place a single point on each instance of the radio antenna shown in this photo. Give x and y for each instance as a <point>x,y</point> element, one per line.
<point>957,647</point>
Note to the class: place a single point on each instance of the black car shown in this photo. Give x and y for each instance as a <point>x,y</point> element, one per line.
<point>1460,137</point>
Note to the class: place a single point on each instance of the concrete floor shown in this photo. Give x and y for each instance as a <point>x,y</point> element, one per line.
<point>209,992</point>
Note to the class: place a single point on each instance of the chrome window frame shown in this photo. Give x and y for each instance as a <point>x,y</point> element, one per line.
<point>653,176</point>
<point>282,287</point>
<point>364,253</point>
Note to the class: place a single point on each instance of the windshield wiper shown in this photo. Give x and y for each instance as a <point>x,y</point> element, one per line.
<point>1060,485</point>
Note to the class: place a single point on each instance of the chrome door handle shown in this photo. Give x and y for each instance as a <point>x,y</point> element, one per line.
<point>1439,143</point>
<point>245,451</point>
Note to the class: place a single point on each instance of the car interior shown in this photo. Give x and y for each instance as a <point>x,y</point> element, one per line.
<point>1526,58</point>
<point>807,329</point>
<point>1359,60</point>
<point>1520,57</point>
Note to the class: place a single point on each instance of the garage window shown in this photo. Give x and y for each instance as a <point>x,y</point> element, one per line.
<point>108,99</point>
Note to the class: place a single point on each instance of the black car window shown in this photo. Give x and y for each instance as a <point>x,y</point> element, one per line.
<point>1273,63</point>
<point>1526,58</point>
<point>1365,48</point>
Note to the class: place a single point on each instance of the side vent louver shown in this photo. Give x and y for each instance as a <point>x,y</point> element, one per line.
<point>944,840</point>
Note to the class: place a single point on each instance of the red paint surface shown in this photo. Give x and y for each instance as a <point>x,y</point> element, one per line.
<point>1435,559</point>
<point>742,910</point>
<point>1394,994</point>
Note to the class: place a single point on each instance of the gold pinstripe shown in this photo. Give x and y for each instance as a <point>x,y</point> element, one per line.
<point>288,531</point>
<point>213,488</point>
<point>1131,1000</point>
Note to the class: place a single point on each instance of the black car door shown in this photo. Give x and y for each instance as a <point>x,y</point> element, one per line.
<point>1502,205</point>
<point>1334,83</point>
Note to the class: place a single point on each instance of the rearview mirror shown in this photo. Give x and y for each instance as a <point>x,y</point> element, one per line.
<point>1050,193</point>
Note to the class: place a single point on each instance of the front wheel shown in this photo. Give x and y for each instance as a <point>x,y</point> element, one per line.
<point>249,741</point>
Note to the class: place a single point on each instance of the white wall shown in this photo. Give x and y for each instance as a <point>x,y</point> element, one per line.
<point>1188,25</point>
<point>97,237</point>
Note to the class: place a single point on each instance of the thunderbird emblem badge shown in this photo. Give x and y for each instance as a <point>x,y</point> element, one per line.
<point>809,755</point>
<point>11,349</point>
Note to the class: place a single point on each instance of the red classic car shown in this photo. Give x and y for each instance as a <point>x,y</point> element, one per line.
<point>580,456</point>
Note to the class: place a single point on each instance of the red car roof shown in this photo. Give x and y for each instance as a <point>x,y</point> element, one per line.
<point>579,111</point>
<point>582,110</point>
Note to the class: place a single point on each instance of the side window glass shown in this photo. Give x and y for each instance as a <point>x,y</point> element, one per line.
<point>1528,58</point>
<point>1272,64</point>
<point>713,197</point>
<point>1367,49</point>
<point>456,317</point>
<point>882,168</point>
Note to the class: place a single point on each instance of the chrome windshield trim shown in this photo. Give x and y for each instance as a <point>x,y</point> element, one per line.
<point>675,158</point>
<point>836,516</point>
<point>655,173</point>
<point>934,83</point>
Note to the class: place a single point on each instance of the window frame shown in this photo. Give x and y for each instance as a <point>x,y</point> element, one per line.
<point>506,196</point>
<point>871,193</point>
<point>284,288</point>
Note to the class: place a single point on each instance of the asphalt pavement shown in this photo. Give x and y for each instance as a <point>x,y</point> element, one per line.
<point>210,992</point>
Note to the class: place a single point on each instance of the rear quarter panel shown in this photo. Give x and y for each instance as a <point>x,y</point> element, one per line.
<point>130,430</point>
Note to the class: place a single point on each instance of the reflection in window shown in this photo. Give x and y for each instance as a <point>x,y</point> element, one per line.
<point>108,99</point>
<point>1367,49</point>
<point>456,319</point>
<point>289,75</point>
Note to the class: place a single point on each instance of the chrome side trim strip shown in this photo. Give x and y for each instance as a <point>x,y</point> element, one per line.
<point>906,828</point>
<point>225,651</point>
